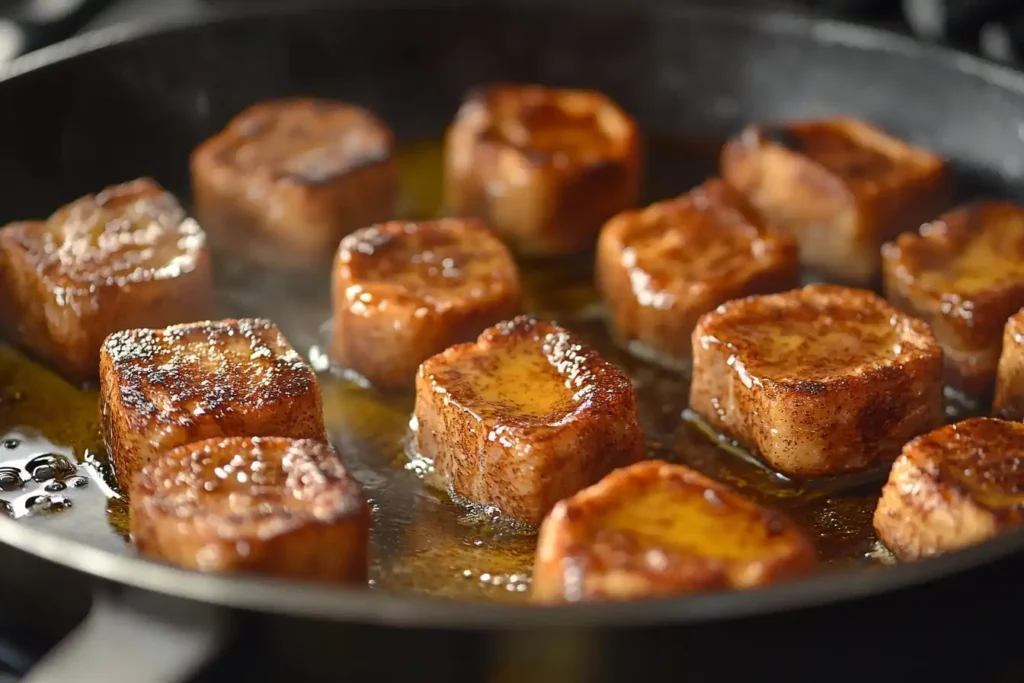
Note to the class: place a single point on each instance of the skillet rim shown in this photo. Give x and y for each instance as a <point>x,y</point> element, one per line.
<point>336,603</point>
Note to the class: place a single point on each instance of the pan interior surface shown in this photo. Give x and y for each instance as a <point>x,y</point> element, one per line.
<point>138,107</point>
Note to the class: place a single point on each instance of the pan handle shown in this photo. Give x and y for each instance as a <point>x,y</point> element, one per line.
<point>137,637</point>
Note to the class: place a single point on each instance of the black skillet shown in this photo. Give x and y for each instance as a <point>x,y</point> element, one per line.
<point>131,101</point>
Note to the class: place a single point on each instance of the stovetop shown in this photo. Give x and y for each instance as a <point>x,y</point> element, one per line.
<point>994,29</point>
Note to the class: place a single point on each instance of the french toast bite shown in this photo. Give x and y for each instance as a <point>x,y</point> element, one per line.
<point>662,267</point>
<point>954,487</point>
<point>656,528</point>
<point>278,506</point>
<point>125,257</point>
<point>840,186</point>
<point>963,274</point>
<point>287,179</point>
<point>1009,393</point>
<point>524,417</point>
<point>545,166</point>
<point>821,380</point>
<point>160,389</point>
<point>406,291</point>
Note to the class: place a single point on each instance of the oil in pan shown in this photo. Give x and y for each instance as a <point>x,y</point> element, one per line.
<point>54,475</point>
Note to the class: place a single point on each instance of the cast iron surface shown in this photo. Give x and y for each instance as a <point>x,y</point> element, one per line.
<point>124,103</point>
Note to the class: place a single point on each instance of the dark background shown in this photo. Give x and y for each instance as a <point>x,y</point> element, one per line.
<point>993,28</point>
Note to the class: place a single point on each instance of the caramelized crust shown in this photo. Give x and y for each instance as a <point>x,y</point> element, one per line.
<point>545,166</point>
<point>660,529</point>
<point>406,291</point>
<point>287,179</point>
<point>963,275</point>
<point>270,505</point>
<point>821,380</point>
<point>840,186</point>
<point>524,417</point>
<point>954,487</point>
<point>662,267</point>
<point>1009,394</point>
<point>165,388</point>
<point>125,257</point>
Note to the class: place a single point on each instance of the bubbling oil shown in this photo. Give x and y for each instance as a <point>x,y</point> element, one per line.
<point>422,539</point>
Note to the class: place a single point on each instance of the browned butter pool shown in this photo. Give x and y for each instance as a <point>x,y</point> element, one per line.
<point>422,540</point>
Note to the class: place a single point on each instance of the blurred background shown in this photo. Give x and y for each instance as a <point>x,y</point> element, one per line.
<point>992,28</point>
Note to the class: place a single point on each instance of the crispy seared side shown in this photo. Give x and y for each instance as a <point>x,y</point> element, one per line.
<point>125,257</point>
<point>821,380</point>
<point>662,267</point>
<point>287,179</point>
<point>655,529</point>
<point>1009,394</point>
<point>545,166</point>
<point>963,274</point>
<point>165,388</point>
<point>278,506</point>
<point>406,291</point>
<point>954,487</point>
<point>841,186</point>
<point>524,417</point>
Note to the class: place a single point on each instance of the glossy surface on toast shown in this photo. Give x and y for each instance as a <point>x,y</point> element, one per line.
<point>164,388</point>
<point>661,267</point>
<point>821,380</point>
<point>128,256</point>
<point>963,274</point>
<point>404,291</point>
<point>286,507</point>
<point>953,487</point>
<point>660,529</point>
<point>524,416</point>
<point>545,166</point>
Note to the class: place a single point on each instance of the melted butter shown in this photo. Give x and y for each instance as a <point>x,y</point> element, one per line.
<point>818,348</point>
<point>855,157</point>
<point>34,397</point>
<point>994,500</point>
<point>419,170</point>
<point>996,484</point>
<point>572,126</point>
<point>311,140</point>
<point>693,520</point>
<point>521,379</point>
<point>447,258</point>
<point>423,541</point>
<point>686,240</point>
<point>989,260</point>
<point>129,232</point>
<point>987,459</point>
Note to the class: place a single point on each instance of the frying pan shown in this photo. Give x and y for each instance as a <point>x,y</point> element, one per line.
<point>134,100</point>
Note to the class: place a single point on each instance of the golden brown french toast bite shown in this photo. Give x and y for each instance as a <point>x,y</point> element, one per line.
<point>963,274</point>
<point>954,487</point>
<point>271,505</point>
<point>821,380</point>
<point>406,291</point>
<point>1009,393</point>
<point>840,186</point>
<point>545,166</point>
<point>524,417</point>
<point>656,528</point>
<point>662,267</point>
<point>125,257</point>
<point>287,179</point>
<point>165,388</point>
